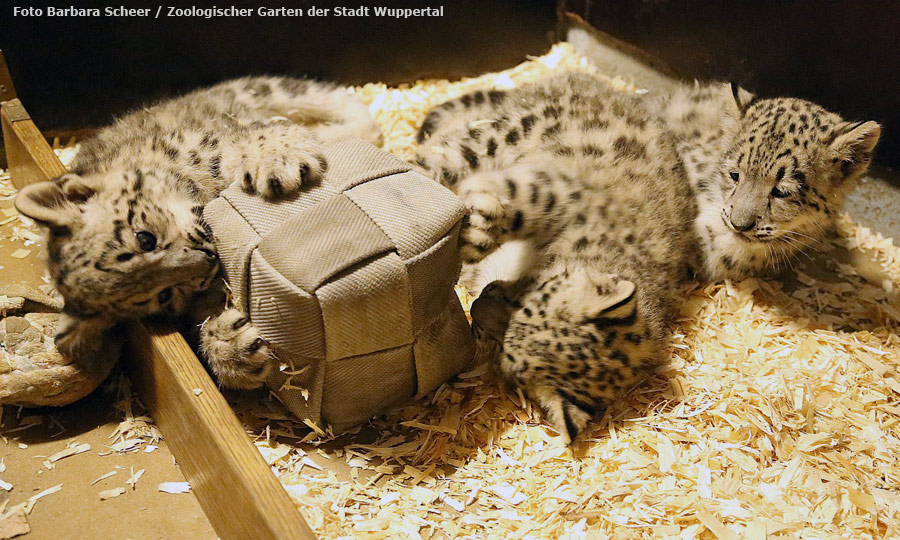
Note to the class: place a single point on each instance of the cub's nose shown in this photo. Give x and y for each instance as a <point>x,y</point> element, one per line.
<point>740,218</point>
<point>742,226</point>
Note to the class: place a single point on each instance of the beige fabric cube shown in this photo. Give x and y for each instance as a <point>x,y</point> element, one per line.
<point>351,282</point>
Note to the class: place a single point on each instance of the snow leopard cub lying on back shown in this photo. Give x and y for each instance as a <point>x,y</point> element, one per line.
<point>612,200</point>
<point>126,238</point>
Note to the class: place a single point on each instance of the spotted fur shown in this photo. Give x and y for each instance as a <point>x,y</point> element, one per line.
<point>611,193</point>
<point>125,234</point>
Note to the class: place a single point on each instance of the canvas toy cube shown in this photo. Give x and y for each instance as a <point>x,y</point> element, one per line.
<point>352,282</point>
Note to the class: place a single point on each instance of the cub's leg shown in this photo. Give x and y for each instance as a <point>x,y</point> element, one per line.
<point>273,160</point>
<point>459,112</point>
<point>525,201</point>
<point>89,341</point>
<point>238,356</point>
<point>464,151</point>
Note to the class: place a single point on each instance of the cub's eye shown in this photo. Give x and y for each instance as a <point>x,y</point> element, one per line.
<point>799,176</point>
<point>146,240</point>
<point>777,193</point>
<point>164,295</point>
<point>736,176</point>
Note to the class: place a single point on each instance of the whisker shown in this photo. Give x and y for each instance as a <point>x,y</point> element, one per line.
<point>795,238</point>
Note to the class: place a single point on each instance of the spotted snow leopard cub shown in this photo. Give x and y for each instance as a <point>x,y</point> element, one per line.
<point>600,202</point>
<point>126,238</point>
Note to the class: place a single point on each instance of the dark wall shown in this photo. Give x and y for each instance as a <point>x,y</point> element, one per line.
<point>77,72</point>
<point>844,54</point>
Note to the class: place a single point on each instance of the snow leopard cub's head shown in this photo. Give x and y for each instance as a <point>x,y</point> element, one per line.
<point>789,169</point>
<point>120,245</point>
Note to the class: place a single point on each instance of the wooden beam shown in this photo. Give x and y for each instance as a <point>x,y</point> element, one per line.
<point>235,487</point>
<point>29,156</point>
<point>7,90</point>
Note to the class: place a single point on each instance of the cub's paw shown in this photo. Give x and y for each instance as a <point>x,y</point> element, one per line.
<point>490,318</point>
<point>276,164</point>
<point>489,218</point>
<point>236,353</point>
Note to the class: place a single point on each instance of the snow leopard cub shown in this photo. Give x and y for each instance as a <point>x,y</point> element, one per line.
<point>126,238</point>
<point>612,200</point>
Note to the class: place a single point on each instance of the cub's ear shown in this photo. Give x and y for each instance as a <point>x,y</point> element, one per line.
<point>853,145</point>
<point>589,294</point>
<point>742,98</point>
<point>46,203</point>
<point>54,203</point>
<point>615,301</point>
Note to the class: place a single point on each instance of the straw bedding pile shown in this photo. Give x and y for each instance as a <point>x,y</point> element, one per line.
<point>776,417</point>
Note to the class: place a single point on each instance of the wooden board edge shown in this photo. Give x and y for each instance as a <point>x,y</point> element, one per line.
<point>30,159</point>
<point>233,483</point>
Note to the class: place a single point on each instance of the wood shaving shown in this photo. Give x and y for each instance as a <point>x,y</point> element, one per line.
<point>48,491</point>
<point>126,445</point>
<point>104,477</point>
<point>111,493</point>
<point>135,476</point>
<point>72,449</point>
<point>13,525</point>
<point>20,253</point>
<point>175,487</point>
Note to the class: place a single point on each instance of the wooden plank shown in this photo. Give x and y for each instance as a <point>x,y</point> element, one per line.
<point>29,156</point>
<point>7,90</point>
<point>235,487</point>
<point>30,269</point>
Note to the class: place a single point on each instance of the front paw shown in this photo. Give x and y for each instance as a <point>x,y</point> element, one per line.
<point>488,219</point>
<point>238,356</point>
<point>278,166</point>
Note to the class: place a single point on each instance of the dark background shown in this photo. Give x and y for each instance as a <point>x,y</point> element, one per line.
<point>842,54</point>
<point>77,72</point>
